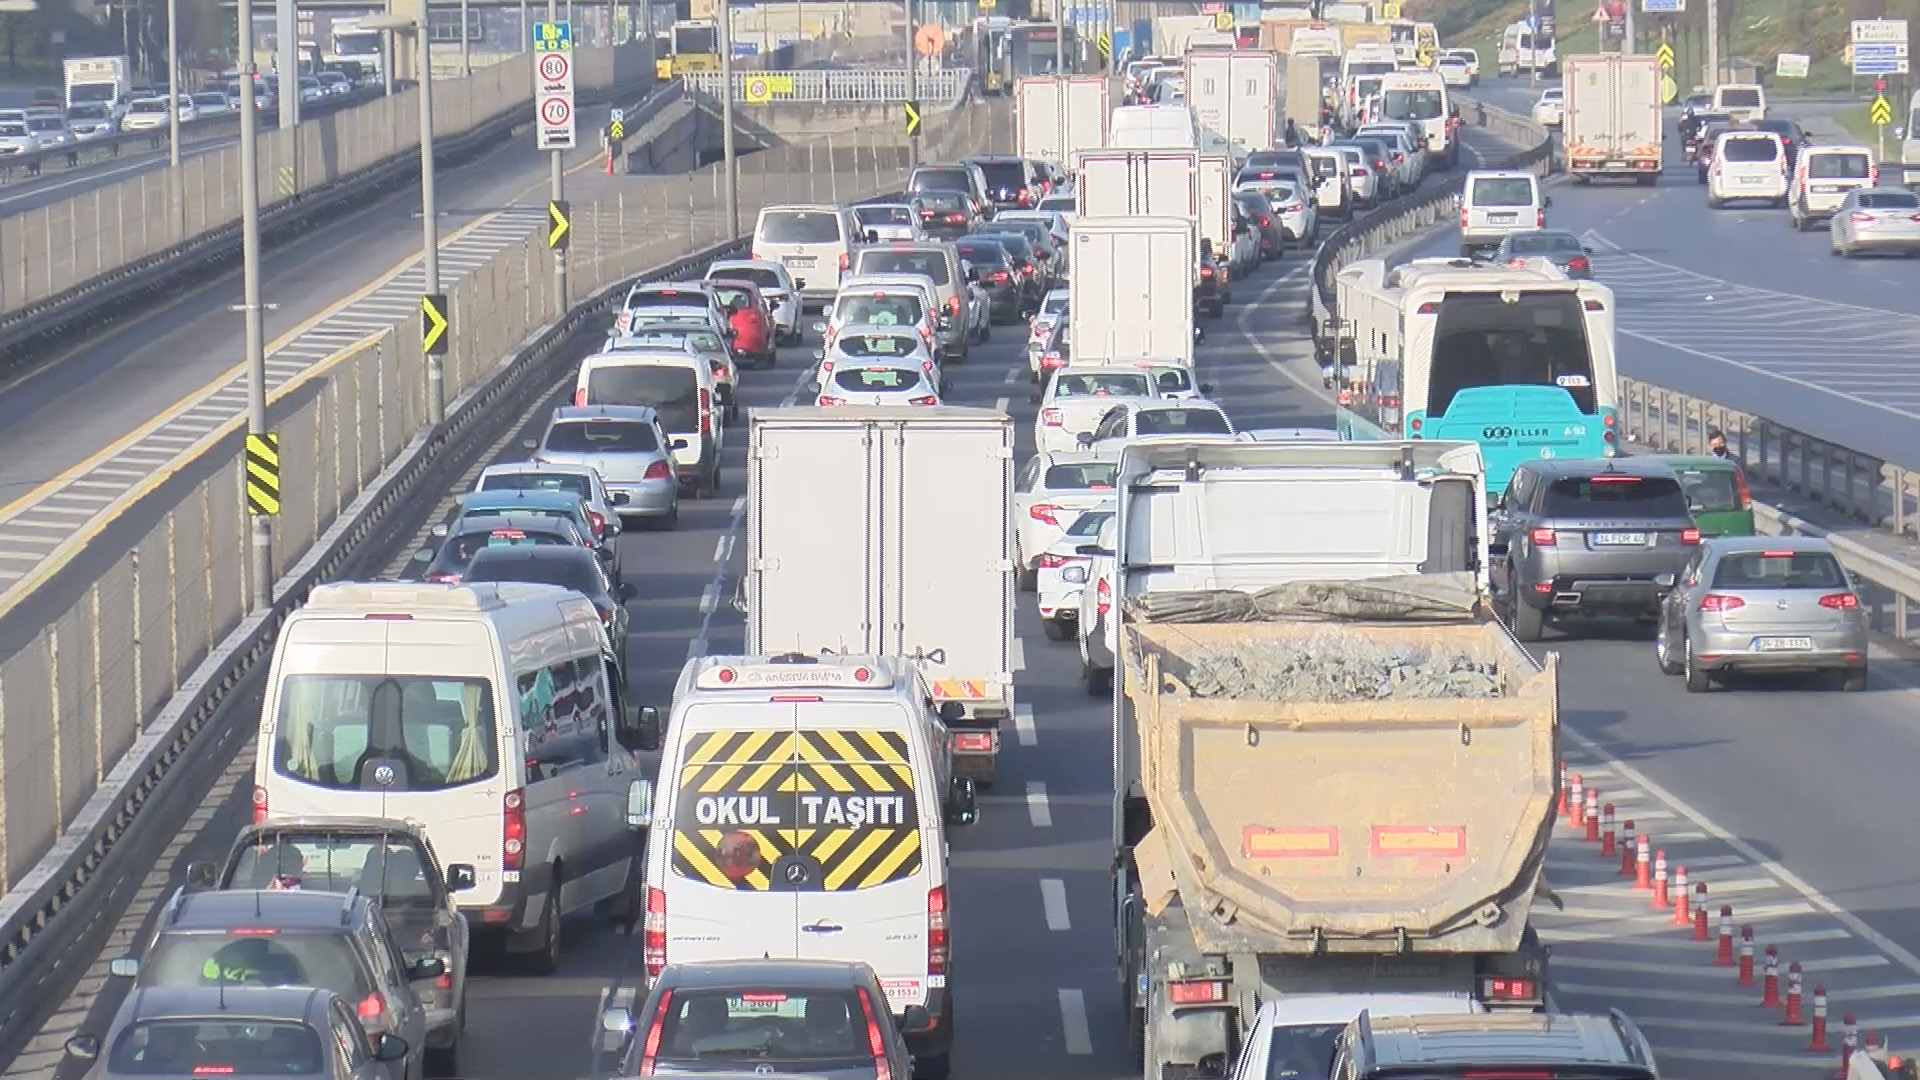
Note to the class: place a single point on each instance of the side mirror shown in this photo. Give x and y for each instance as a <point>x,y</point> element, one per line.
<point>205,875</point>
<point>873,236</point>
<point>424,555</point>
<point>619,498</point>
<point>530,444</point>
<point>628,592</point>
<point>1206,388</point>
<point>87,1047</point>
<point>640,805</point>
<point>390,1047</point>
<point>963,808</point>
<point>1091,549</point>
<point>461,877</point>
<point>1084,439</point>
<point>1665,581</point>
<point>645,723</point>
<point>427,967</point>
<point>1546,203</point>
<point>616,1022</point>
<point>1199,334</point>
<point>678,444</point>
<point>916,1018</point>
<point>440,532</point>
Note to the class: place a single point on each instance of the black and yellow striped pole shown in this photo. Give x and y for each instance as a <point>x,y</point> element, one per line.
<point>263,473</point>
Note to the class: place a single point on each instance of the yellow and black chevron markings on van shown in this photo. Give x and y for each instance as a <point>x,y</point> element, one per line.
<point>808,811</point>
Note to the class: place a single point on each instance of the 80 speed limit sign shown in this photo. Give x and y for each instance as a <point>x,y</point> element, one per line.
<point>553,86</point>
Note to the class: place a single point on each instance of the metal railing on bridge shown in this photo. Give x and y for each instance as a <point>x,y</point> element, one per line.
<point>932,88</point>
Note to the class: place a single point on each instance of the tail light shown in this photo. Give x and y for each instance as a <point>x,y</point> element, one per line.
<point>845,262</point>
<point>606,613</point>
<point>442,577</point>
<point>1740,489</point>
<point>1539,537</point>
<point>1025,197</point>
<point>658,470</point>
<point>1206,271</point>
<point>513,830</point>
<point>1266,222</point>
<point>1000,277</point>
<point>1578,262</point>
<point>1359,174</point>
<point>876,1042</point>
<point>1721,602</point>
<point>1690,535</point>
<point>1102,596</point>
<point>826,400</point>
<point>1197,991</point>
<point>444,983</point>
<point>1051,562</point>
<point>1378,164</point>
<point>370,1008</point>
<point>1051,417</point>
<point>1026,268</point>
<point>1050,360</point>
<point>1914,218</point>
<point>937,930</point>
<point>1840,601</point>
<point>1873,176</point>
<point>719,370</point>
<point>953,305</point>
<point>928,399</point>
<point>1540,218</point>
<point>650,1047</point>
<point>1044,512</point>
<point>259,805</point>
<point>1397,156</point>
<point>706,412</point>
<point>1859,218</point>
<point>927,214</point>
<point>956,219</point>
<point>1516,263</point>
<point>580,396</point>
<point>1463,214</point>
<point>653,938</point>
<point>598,521</point>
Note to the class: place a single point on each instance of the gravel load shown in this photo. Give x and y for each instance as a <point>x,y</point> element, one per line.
<point>1339,667</point>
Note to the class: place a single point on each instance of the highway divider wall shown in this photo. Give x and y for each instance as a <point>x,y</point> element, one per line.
<point>136,676</point>
<point>1658,420</point>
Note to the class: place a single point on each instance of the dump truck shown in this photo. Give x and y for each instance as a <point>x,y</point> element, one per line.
<point>1234,94</point>
<point>1612,122</point>
<point>1335,772</point>
<point>842,566</point>
<point>1130,284</point>
<point>1061,115</point>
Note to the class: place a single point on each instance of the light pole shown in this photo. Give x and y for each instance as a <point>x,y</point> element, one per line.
<point>466,42</point>
<point>429,215</point>
<point>173,85</point>
<point>913,77</point>
<point>557,174</point>
<point>729,164</point>
<point>287,27</point>
<point>260,552</point>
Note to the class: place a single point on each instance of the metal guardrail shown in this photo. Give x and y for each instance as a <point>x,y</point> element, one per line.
<point>1862,487</point>
<point>135,682</point>
<point>835,87</point>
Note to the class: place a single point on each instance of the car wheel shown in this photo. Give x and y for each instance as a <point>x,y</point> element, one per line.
<point>1699,680</point>
<point>442,1060</point>
<point>1714,203</point>
<point>1853,680</point>
<point>1098,680</point>
<point>546,959</point>
<point>1056,629</point>
<point>1529,622</point>
<point>1466,251</point>
<point>1663,652</point>
<point>1029,580</point>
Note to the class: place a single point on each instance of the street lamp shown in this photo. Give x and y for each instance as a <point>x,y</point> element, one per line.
<point>173,85</point>
<point>429,218</point>
<point>260,551</point>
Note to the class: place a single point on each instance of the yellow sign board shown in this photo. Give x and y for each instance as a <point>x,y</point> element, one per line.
<point>1880,113</point>
<point>761,89</point>
<point>1668,89</point>
<point>912,109</point>
<point>559,225</point>
<point>1390,9</point>
<point>263,473</point>
<point>433,324</point>
<point>1106,45</point>
<point>1665,55</point>
<point>1223,21</point>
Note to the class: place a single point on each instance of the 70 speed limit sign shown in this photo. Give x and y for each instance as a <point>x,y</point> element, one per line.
<point>554,127</point>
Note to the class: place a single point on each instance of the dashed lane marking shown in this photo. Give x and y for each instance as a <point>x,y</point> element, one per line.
<point>1038,810</point>
<point>1073,1021</point>
<point>1023,726</point>
<point>1053,900</point>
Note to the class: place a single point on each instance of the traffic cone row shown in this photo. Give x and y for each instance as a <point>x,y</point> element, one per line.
<point>1580,807</point>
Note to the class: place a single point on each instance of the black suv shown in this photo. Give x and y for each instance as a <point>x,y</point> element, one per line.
<point>1601,536</point>
<point>1012,183</point>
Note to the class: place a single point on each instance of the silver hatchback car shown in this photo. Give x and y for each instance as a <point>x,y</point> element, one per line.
<point>626,445</point>
<point>1763,604</point>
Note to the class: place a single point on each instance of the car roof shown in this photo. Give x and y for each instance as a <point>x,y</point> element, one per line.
<point>230,1002</point>
<point>1728,545</point>
<point>642,414</point>
<point>720,266</point>
<point>1644,466</point>
<point>1501,1038</point>
<point>533,552</point>
<point>282,909</point>
<point>799,974</point>
<point>721,283</point>
<point>528,496</point>
<point>1076,457</point>
<point>489,521</point>
<point>528,468</point>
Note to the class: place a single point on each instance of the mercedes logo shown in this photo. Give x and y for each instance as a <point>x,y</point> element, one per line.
<point>383,775</point>
<point>796,874</point>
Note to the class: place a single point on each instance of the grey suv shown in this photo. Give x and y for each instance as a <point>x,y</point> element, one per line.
<point>1595,537</point>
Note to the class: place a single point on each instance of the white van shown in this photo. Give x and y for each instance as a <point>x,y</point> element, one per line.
<point>1522,50</point>
<point>802,812</point>
<point>492,714</point>
<point>1495,204</point>
<point>1420,98</point>
<point>1745,102</point>
<point>1507,57</point>
<point>1822,176</point>
<point>1747,165</point>
<point>815,242</point>
<point>1153,127</point>
<point>680,387</point>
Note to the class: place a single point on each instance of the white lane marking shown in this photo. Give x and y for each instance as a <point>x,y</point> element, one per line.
<point>723,549</point>
<point>1023,726</point>
<point>1053,898</point>
<point>1000,404</point>
<point>1754,855</point>
<point>740,504</point>
<point>1017,657</point>
<point>697,648</point>
<point>709,597</point>
<point>1014,377</point>
<point>1038,811</point>
<point>1073,1019</point>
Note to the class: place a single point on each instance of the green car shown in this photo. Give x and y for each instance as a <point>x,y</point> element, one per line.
<point>1717,493</point>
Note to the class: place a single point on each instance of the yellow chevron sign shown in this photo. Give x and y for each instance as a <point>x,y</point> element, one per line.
<point>1664,54</point>
<point>1881,113</point>
<point>806,811</point>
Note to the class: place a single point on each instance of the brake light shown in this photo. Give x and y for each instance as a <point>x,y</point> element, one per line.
<point>1026,268</point>
<point>1516,263</point>
<point>1873,176</point>
<point>653,938</point>
<point>876,1043</point>
<point>1266,221</point>
<point>928,399</point>
<point>1397,156</point>
<point>1540,219</point>
<point>1500,989</point>
<point>937,930</point>
<point>1689,535</point>
<point>1051,417</point>
<point>1840,601</point>
<point>1463,210</point>
<point>1206,271</point>
<point>1578,262</point>
<point>658,470</point>
<point>1859,218</point>
<point>953,305</point>
<point>706,412</point>
<point>1053,562</point>
<point>369,1007</point>
<point>1102,596</point>
<point>1050,360</point>
<point>1914,218</point>
<point>1378,164</point>
<point>259,805</point>
<point>598,521</point>
<point>1043,512</point>
<point>513,829</point>
<point>844,262</point>
<point>650,1049</point>
<point>1720,602</point>
<point>1540,537</point>
<point>1743,493</point>
<point>1025,197</point>
<point>1000,277</point>
<point>1197,991</point>
<point>957,219</point>
<point>438,577</point>
<point>606,614</point>
<point>826,400</point>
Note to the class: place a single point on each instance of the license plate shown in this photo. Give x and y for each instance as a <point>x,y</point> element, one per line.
<point>1751,180</point>
<point>798,260</point>
<point>1497,218</point>
<point>1782,644</point>
<point>1620,539</point>
<point>1827,189</point>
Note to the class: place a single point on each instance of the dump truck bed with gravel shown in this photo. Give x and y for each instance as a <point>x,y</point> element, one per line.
<point>1341,767</point>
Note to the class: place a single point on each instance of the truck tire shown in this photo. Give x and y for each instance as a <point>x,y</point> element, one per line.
<point>1099,680</point>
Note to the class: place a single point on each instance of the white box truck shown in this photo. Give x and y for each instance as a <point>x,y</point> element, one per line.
<point>97,80</point>
<point>1216,211</point>
<point>1171,32</point>
<point>885,531</point>
<point>1129,288</point>
<point>1132,183</point>
<point>1235,94</point>
<point>1612,123</point>
<point>1061,115</point>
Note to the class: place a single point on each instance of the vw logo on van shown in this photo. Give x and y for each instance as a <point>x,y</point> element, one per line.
<point>383,775</point>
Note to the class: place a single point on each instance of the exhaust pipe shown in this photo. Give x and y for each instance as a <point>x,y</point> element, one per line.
<point>1566,599</point>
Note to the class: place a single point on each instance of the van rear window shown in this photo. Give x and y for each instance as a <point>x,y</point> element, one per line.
<point>1839,167</point>
<point>1739,99</point>
<point>217,1048</point>
<point>601,436</point>
<point>800,227</point>
<point>1502,191</point>
<point>1750,148</point>
<point>673,391</point>
<point>928,264</point>
<point>336,731</point>
<point>1779,570</point>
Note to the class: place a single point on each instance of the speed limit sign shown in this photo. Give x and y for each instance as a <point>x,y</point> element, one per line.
<point>553,86</point>
<point>554,68</point>
<point>556,112</point>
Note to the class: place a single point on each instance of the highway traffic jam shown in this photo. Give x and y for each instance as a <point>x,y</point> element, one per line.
<point>1029,572</point>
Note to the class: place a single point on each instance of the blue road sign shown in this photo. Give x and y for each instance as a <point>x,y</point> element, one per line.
<point>552,36</point>
<point>1876,65</point>
<point>1663,6</point>
<point>1533,23</point>
<point>1878,52</point>
<point>746,48</point>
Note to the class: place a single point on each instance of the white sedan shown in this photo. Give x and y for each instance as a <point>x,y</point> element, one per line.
<point>892,383</point>
<point>1096,628</point>
<point>1077,397</point>
<point>1552,105</point>
<point>874,346</point>
<point>1061,572</point>
<point>1053,489</point>
<point>1299,218</point>
<point>1454,72</point>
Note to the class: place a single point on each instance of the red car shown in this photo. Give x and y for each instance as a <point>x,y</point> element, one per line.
<point>751,317</point>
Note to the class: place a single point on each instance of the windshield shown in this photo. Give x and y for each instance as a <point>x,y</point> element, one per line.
<point>928,264</point>
<point>984,254</point>
<point>46,123</point>
<point>765,277</point>
<point>824,1029</point>
<point>1415,104</point>
<point>1503,191</point>
<point>1839,167</point>
<point>577,484</point>
<point>601,436</point>
<point>892,309</point>
<point>1779,570</point>
<point>800,227</point>
<point>672,390</point>
<point>1302,1053</point>
<point>1016,246</point>
<point>883,215</point>
<point>1370,67</point>
<point>873,380</point>
<point>941,180</point>
<point>1081,476</point>
<point>1089,522</point>
<point>731,299</point>
<point>1054,304</point>
<point>356,43</point>
<point>12,131</point>
<point>665,298</point>
<point>1890,200</point>
<point>1115,385</point>
<point>1739,98</point>
<point>245,958</point>
<point>1544,243</point>
<point>1750,149</point>
<point>393,867</point>
<point>888,345</point>
<point>1006,176</point>
<point>1615,495</point>
<point>1532,339</point>
<point>1711,491</point>
<point>148,107</point>
<point>90,112</point>
<point>436,733</point>
<point>1172,380</point>
<point>247,1046</point>
<point>1180,422</point>
<point>458,552</point>
<point>581,573</point>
